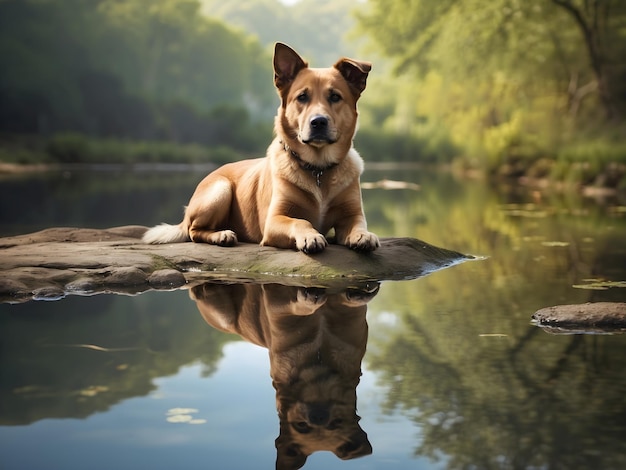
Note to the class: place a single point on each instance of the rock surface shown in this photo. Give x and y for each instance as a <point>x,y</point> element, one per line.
<point>56,262</point>
<point>598,317</point>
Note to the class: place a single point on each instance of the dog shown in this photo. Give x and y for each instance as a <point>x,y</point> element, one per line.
<point>306,186</point>
<point>316,341</point>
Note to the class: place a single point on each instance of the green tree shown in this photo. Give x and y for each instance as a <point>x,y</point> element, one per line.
<point>536,40</point>
<point>511,80</point>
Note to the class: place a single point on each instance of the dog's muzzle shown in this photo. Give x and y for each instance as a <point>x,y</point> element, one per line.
<point>319,131</point>
<point>318,413</point>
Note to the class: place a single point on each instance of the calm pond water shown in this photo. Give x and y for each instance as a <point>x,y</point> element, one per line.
<point>453,373</point>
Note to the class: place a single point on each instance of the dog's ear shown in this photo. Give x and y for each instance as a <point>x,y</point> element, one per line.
<point>355,73</point>
<point>287,64</point>
<point>357,445</point>
<point>289,455</point>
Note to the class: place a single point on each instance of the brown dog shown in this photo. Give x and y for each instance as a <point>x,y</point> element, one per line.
<point>307,184</point>
<point>316,342</point>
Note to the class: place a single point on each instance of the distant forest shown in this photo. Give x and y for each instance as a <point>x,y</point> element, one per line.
<point>135,69</point>
<point>535,87</point>
<point>322,31</point>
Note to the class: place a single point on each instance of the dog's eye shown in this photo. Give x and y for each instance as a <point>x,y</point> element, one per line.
<point>303,97</point>
<point>302,427</point>
<point>334,424</point>
<point>334,98</point>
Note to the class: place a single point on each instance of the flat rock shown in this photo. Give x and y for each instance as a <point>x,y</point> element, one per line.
<point>59,261</point>
<point>592,317</point>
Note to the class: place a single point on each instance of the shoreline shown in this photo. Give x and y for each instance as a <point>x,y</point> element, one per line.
<point>532,183</point>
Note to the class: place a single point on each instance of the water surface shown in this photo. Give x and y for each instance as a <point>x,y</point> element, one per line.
<point>453,375</point>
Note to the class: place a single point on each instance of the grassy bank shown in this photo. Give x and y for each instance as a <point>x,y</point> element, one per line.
<point>72,148</point>
<point>585,163</point>
<point>589,163</point>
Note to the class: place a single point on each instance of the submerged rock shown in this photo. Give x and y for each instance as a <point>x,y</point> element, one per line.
<point>598,318</point>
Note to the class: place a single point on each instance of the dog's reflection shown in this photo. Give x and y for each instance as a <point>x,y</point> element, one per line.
<point>316,341</point>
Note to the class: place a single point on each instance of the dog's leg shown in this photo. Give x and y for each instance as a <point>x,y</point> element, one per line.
<point>350,225</point>
<point>289,301</point>
<point>286,232</point>
<point>208,211</point>
<point>362,240</point>
<point>219,305</point>
<point>352,232</point>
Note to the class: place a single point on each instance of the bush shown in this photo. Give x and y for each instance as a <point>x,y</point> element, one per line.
<point>22,150</point>
<point>599,162</point>
<point>69,148</point>
<point>77,148</point>
<point>382,146</point>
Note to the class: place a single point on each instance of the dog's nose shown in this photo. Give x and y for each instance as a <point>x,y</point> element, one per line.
<point>319,122</point>
<point>318,414</point>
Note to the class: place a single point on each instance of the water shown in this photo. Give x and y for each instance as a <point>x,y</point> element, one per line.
<point>454,375</point>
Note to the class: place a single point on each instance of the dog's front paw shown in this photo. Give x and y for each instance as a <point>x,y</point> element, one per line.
<point>224,238</point>
<point>312,296</point>
<point>363,241</point>
<point>308,301</point>
<point>361,295</point>
<point>312,242</point>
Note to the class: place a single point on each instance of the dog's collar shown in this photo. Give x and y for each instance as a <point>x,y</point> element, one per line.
<point>316,171</point>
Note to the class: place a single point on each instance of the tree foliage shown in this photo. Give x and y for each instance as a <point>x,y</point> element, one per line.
<point>509,78</point>
<point>315,28</point>
<point>502,84</point>
<point>149,69</point>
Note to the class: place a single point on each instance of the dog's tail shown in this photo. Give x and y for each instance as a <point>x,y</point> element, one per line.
<point>166,233</point>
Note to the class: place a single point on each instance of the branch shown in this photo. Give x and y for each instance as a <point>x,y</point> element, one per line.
<point>588,33</point>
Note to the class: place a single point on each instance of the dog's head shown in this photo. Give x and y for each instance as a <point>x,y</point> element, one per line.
<point>318,106</point>
<point>319,413</point>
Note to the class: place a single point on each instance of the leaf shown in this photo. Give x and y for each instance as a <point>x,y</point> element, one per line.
<point>181,411</point>
<point>600,285</point>
<point>555,243</point>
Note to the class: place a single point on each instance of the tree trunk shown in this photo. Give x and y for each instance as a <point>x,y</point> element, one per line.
<point>590,25</point>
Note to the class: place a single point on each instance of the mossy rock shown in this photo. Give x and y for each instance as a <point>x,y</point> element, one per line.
<point>60,261</point>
